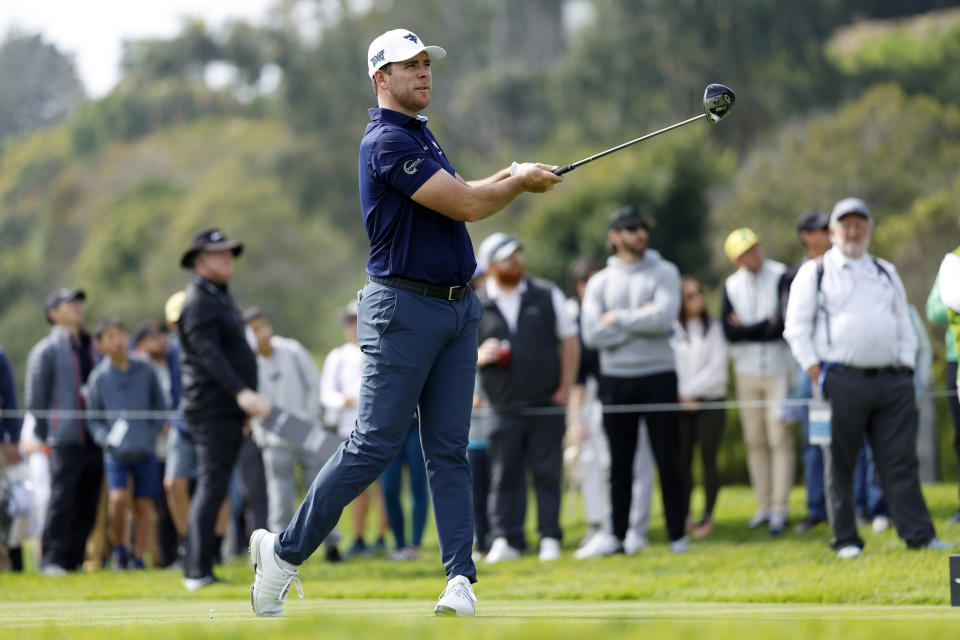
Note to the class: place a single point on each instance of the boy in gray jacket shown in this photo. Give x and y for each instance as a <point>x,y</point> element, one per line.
<point>628,313</point>
<point>121,385</point>
<point>57,370</point>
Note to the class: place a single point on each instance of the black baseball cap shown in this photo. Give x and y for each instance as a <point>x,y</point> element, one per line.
<point>61,295</point>
<point>626,216</point>
<point>813,220</point>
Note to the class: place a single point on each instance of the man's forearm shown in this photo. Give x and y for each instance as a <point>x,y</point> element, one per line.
<point>484,200</point>
<point>455,198</point>
<point>497,177</point>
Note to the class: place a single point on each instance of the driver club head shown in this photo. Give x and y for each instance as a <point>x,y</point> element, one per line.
<point>718,99</point>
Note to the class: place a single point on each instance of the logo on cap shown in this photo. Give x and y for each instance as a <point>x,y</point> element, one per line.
<point>412,38</point>
<point>216,236</point>
<point>377,58</point>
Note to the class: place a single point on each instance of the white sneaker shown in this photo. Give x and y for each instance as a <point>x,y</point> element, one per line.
<point>549,549</point>
<point>760,518</point>
<point>458,599</point>
<point>192,584</point>
<point>848,551</point>
<point>777,523</point>
<point>880,524</point>
<point>53,570</point>
<point>404,554</point>
<point>680,545</point>
<point>601,544</point>
<point>937,544</point>
<point>634,542</point>
<point>501,550</point>
<point>273,576</point>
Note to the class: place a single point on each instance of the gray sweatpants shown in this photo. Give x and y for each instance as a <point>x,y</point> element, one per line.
<point>282,493</point>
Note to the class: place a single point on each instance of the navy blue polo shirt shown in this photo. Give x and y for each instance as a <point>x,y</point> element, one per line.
<point>397,155</point>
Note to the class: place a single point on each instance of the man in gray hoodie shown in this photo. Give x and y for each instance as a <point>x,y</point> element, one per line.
<point>628,313</point>
<point>57,370</point>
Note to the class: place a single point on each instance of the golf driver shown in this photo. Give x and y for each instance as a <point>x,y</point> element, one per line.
<point>717,102</point>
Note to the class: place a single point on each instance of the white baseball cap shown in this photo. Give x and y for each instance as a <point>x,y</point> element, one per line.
<point>397,45</point>
<point>848,206</point>
<point>495,248</point>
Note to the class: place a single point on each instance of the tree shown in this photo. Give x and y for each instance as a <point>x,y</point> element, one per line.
<point>898,153</point>
<point>40,84</point>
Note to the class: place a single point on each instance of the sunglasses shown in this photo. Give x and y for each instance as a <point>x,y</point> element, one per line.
<point>632,228</point>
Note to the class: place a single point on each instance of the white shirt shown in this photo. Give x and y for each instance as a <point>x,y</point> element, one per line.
<point>701,360</point>
<point>755,297</point>
<point>950,281</point>
<point>859,319</point>
<point>340,380</point>
<point>508,302</point>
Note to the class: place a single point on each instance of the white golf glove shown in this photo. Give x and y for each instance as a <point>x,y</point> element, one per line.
<point>517,167</point>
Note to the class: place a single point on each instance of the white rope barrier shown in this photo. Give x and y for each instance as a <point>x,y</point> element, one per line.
<point>662,407</point>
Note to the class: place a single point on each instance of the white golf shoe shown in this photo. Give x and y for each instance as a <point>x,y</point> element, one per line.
<point>273,578</point>
<point>680,545</point>
<point>880,524</point>
<point>192,584</point>
<point>634,542</point>
<point>848,551</point>
<point>501,550</point>
<point>601,544</point>
<point>549,549</point>
<point>53,570</point>
<point>457,599</point>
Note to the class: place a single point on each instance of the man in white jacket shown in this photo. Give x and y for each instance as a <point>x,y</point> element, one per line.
<point>849,327</point>
<point>753,324</point>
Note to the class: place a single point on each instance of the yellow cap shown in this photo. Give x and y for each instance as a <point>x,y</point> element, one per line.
<point>739,242</point>
<point>171,310</point>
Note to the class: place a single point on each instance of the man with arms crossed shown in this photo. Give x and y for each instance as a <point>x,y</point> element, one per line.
<point>417,327</point>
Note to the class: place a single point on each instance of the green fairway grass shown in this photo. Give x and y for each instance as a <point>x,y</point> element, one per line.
<point>736,583</point>
<point>400,618</point>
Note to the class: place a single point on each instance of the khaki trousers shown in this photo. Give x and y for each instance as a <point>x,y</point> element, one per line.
<point>769,441</point>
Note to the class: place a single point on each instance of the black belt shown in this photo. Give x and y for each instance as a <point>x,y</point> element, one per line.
<point>873,371</point>
<point>457,292</point>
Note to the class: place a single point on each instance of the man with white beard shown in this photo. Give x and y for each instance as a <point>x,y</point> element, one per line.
<point>849,328</point>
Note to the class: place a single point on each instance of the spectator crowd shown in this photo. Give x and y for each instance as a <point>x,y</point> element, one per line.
<point>169,444</point>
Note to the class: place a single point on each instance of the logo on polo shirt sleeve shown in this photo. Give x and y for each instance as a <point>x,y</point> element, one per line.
<point>410,166</point>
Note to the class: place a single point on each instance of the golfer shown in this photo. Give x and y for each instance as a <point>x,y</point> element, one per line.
<point>417,327</point>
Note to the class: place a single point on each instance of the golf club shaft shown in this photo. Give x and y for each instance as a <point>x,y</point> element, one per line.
<point>571,167</point>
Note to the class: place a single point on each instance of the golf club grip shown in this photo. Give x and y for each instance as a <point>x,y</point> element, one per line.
<point>563,170</point>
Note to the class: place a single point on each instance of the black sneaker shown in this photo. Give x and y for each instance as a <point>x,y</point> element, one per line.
<point>808,523</point>
<point>358,548</point>
<point>333,555</point>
